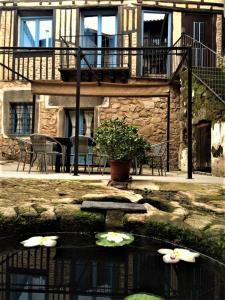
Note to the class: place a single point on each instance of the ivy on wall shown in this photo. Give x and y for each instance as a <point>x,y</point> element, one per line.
<point>205,105</point>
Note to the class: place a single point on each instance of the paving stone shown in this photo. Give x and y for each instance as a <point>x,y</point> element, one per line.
<point>67,210</point>
<point>64,200</point>
<point>114,195</point>
<point>217,229</point>
<point>155,214</point>
<point>48,213</point>
<point>27,210</point>
<point>8,212</point>
<point>198,221</point>
<point>214,207</point>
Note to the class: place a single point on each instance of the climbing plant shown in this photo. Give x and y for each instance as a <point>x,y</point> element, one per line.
<point>205,105</point>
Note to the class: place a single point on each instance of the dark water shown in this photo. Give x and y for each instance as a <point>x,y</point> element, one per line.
<point>77,270</point>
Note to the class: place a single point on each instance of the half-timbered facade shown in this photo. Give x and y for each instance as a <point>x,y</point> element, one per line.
<point>140,84</point>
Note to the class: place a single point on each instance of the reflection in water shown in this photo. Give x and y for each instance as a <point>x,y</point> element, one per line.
<point>79,270</point>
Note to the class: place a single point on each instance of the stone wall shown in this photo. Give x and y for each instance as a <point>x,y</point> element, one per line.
<point>48,119</point>
<point>219,34</point>
<point>206,108</point>
<point>150,115</point>
<point>218,149</point>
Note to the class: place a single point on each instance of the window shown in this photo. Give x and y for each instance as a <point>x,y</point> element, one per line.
<point>99,29</point>
<point>86,126</point>
<point>20,118</point>
<point>156,31</point>
<point>36,32</point>
<point>199,31</point>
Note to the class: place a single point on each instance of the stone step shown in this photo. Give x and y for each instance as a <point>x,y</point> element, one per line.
<point>126,207</point>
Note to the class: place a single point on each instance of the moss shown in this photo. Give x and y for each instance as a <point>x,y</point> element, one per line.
<point>80,221</point>
<point>195,240</point>
<point>83,221</point>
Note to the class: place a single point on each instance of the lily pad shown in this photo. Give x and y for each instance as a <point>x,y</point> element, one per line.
<point>142,297</point>
<point>113,239</point>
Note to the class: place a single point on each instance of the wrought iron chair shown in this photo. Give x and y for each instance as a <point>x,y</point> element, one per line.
<point>157,157</point>
<point>83,150</point>
<point>26,152</point>
<point>45,147</point>
<point>90,157</point>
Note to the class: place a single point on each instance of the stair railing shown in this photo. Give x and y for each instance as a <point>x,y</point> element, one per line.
<point>207,65</point>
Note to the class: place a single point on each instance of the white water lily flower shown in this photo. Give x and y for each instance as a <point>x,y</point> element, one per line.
<point>115,237</point>
<point>173,256</point>
<point>48,241</point>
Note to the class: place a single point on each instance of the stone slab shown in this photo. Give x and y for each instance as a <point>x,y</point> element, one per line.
<point>114,195</point>
<point>127,207</point>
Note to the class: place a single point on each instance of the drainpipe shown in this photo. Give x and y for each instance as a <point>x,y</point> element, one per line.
<point>33,114</point>
<point>189,115</point>
<point>76,146</point>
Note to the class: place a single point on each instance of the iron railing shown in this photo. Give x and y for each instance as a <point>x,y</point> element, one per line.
<point>207,65</point>
<point>30,63</point>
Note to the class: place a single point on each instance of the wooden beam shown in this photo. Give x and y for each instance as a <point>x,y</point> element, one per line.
<point>91,89</point>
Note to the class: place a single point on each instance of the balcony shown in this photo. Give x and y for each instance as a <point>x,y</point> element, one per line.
<point>107,64</point>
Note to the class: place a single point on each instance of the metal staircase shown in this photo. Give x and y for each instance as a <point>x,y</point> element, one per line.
<point>207,66</point>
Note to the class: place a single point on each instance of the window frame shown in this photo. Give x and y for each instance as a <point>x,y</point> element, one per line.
<point>12,121</point>
<point>169,32</point>
<point>100,14</point>
<point>37,20</point>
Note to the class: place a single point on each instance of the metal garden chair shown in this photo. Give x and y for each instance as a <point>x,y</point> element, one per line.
<point>91,158</point>
<point>157,157</point>
<point>45,147</point>
<point>25,149</point>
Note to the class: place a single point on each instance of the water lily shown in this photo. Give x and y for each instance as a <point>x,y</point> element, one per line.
<point>115,237</point>
<point>48,241</point>
<point>173,256</point>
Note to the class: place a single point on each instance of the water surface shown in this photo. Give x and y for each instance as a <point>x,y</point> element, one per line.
<point>78,270</point>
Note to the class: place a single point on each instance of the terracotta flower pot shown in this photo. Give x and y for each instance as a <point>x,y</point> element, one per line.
<point>120,170</point>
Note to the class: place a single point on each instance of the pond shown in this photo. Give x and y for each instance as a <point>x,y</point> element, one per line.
<point>77,269</point>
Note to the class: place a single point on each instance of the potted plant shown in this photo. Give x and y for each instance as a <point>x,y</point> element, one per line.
<point>121,143</point>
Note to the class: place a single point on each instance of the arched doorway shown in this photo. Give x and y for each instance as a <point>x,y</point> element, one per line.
<point>203,146</point>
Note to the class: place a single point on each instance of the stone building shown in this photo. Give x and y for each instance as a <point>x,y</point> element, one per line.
<point>136,83</point>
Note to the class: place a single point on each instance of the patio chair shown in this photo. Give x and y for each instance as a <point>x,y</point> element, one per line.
<point>25,149</point>
<point>157,157</point>
<point>90,157</point>
<point>45,147</point>
<point>83,150</point>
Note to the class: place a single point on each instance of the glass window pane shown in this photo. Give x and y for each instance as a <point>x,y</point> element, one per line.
<point>45,33</point>
<point>109,25</point>
<point>89,39</point>
<point>90,24</point>
<point>28,33</point>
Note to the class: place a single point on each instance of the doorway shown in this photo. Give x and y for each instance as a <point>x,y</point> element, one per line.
<point>156,31</point>
<point>203,146</point>
<point>202,29</point>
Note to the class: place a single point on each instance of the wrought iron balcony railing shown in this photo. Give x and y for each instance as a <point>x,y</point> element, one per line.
<point>18,63</point>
